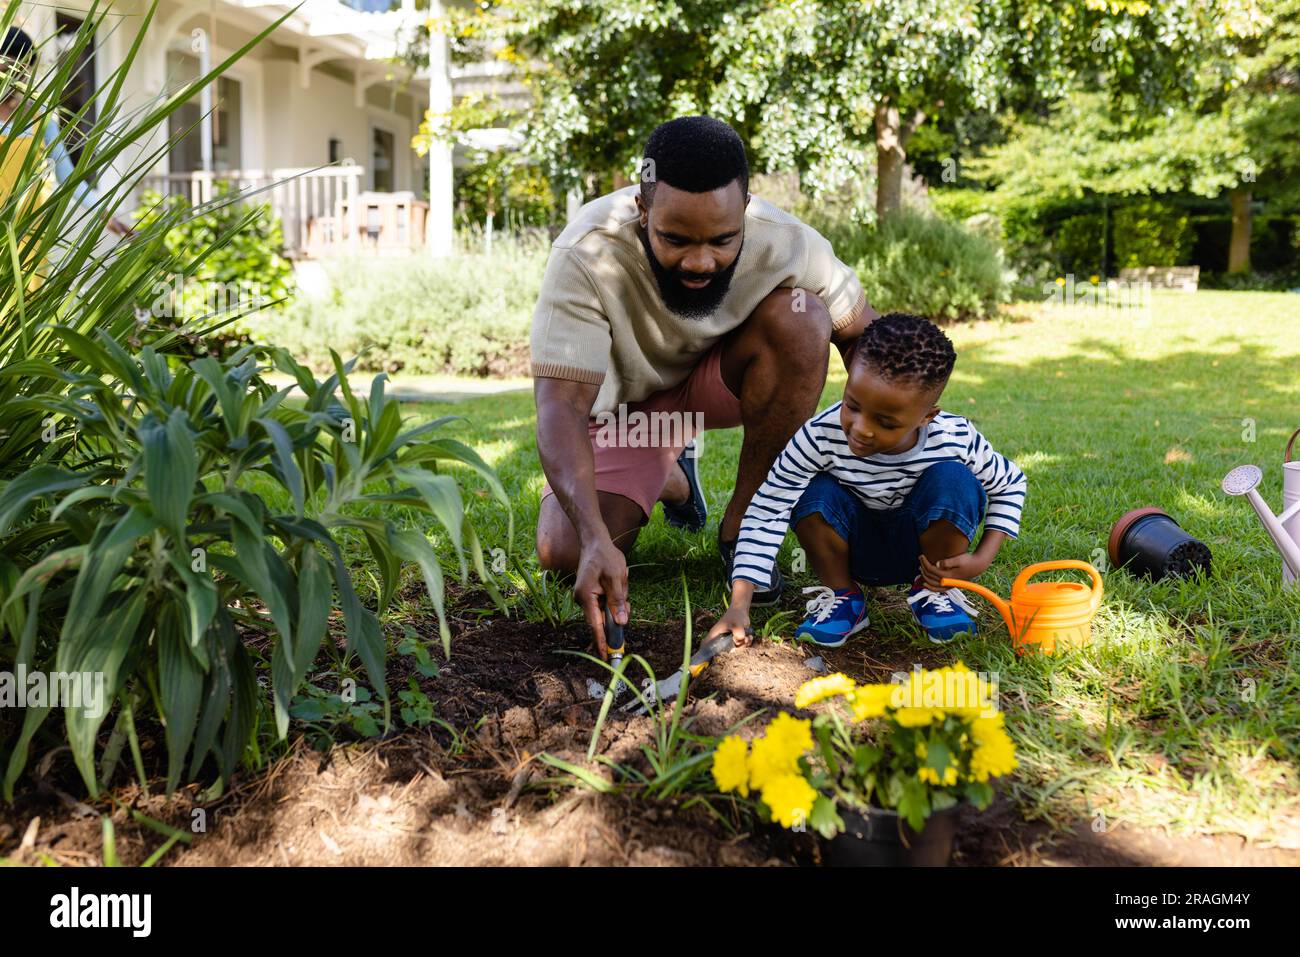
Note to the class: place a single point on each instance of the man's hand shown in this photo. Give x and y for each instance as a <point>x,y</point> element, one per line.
<point>966,567</point>
<point>602,570</point>
<point>846,339</point>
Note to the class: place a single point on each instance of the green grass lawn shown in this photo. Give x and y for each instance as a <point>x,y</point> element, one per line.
<point>1185,710</point>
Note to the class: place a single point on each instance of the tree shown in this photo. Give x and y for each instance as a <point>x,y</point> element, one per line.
<point>1269,102</point>
<point>1234,134</point>
<point>811,83</point>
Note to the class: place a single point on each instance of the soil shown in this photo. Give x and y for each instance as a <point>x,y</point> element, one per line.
<point>514,690</point>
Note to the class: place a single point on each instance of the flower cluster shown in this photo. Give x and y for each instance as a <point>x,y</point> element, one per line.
<point>939,729</point>
<point>771,767</point>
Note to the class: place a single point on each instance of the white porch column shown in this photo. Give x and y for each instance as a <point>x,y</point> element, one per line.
<point>439,232</point>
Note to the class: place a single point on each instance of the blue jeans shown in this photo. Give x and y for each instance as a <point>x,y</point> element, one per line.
<point>885,545</point>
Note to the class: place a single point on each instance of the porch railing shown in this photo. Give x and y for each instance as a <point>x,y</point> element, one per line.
<point>308,201</point>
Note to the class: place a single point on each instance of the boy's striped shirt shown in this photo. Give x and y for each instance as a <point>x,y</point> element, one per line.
<point>879,481</point>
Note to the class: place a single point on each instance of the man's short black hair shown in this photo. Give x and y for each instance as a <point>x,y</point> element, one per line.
<point>900,347</point>
<point>697,154</point>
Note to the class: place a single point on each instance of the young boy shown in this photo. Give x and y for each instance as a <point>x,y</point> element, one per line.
<point>882,488</point>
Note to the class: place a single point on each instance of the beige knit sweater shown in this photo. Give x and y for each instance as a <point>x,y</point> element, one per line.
<point>600,318</point>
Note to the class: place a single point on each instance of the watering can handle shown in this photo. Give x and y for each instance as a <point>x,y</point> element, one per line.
<point>1028,573</point>
<point>1286,456</point>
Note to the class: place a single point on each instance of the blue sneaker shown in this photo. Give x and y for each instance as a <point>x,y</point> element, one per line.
<point>943,614</point>
<point>833,616</point>
<point>693,513</point>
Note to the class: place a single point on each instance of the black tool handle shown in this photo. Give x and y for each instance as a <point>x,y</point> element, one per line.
<point>613,630</point>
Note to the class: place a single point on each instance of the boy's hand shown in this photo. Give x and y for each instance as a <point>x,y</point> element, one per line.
<point>736,621</point>
<point>966,567</point>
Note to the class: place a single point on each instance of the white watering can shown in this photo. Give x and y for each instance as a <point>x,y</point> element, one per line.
<point>1284,529</point>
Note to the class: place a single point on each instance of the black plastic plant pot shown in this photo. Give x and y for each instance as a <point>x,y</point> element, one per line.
<point>876,839</point>
<point>1148,542</point>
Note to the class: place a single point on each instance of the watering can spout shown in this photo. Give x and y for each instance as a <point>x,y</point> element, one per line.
<point>1003,608</point>
<point>1242,481</point>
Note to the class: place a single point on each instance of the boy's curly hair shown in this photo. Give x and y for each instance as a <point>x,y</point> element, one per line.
<point>906,348</point>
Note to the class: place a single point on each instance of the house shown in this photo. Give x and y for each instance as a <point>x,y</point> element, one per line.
<point>320,108</point>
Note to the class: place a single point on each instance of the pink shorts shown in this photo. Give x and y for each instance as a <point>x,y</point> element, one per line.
<point>635,452</point>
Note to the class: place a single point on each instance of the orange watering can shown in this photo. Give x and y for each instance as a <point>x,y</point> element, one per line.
<point>1045,615</point>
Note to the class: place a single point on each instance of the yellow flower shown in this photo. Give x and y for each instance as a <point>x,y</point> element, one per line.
<point>995,752</point>
<point>930,776</point>
<point>1093,279</point>
<point>765,762</point>
<point>777,752</point>
<point>870,701</point>
<point>790,799</point>
<point>819,689</point>
<point>987,730</point>
<point>917,717</point>
<point>993,761</point>
<point>965,694</point>
<point>922,689</point>
<point>730,769</point>
<point>795,734</point>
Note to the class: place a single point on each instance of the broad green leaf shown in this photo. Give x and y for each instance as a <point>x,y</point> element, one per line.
<point>442,495</point>
<point>180,686</point>
<point>170,470</point>
<point>411,546</point>
<point>314,603</point>
<point>290,474</point>
<point>102,653</point>
<point>42,480</point>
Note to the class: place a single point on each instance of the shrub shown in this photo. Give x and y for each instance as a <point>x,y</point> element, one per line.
<point>924,264</point>
<point>468,315</point>
<point>118,462</point>
<point>196,503</point>
<point>959,205</point>
<point>1080,244</point>
<point>518,194</point>
<point>247,273</point>
<point>1151,233</point>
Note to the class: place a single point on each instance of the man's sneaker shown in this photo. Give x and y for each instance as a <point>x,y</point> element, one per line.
<point>943,614</point>
<point>766,596</point>
<point>694,512</point>
<point>833,616</point>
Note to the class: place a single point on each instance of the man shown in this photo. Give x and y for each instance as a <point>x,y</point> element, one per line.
<point>684,299</point>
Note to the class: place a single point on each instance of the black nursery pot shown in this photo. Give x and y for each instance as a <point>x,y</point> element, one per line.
<point>875,839</point>
<point>1147,541</point>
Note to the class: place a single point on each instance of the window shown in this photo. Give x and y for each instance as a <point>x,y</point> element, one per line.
<point>382,156</point>
<point>185,131</point>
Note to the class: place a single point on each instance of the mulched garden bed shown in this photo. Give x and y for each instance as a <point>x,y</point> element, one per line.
<point>422,797</point>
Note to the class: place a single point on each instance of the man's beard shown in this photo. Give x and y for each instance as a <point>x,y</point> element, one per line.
<point>682,300</point>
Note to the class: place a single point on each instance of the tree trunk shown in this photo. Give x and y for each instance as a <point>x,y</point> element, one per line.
<point>892,135</point>
<point>1239,244</point>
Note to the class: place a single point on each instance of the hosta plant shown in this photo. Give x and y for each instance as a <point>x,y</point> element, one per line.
<point>915,747</point>
<point>195,505</point>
